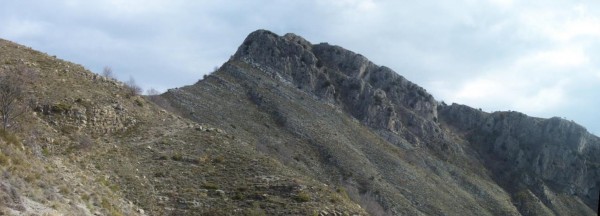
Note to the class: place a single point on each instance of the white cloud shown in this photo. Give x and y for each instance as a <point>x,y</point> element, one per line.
<point>542,101</point>
<point>499,91</point>
<point>564,57</point>
<point>495,54</point>
<point>504,4</point>
<point>358,5</point>
<point>481,89</point>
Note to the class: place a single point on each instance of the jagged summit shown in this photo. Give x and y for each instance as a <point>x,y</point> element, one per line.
<point>371,93</point>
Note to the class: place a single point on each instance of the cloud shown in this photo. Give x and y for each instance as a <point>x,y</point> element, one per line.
<point>504,4</point>
<point>564,57</point>
<point>535,56</point>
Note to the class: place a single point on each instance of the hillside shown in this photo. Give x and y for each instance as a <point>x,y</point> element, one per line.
<point>87,146</point>
<point>285,127</point>
<point>336,117</point>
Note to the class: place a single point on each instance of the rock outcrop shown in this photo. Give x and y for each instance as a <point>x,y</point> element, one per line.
<point>532,153</point>
<point>373,94</point>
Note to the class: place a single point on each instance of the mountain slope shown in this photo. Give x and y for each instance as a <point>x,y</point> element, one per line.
<point>285,127</point>
<point>554,158</point>
<point>336,117</point>
<point>87,146</point>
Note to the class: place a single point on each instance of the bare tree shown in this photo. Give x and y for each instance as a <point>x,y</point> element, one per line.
<point>133,88</point>
<point>11,98</point>
<point>152,92</point>
<point>107,72</point>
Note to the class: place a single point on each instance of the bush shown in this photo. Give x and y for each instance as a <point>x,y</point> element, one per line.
<point>219,159</point>
<point>60,108</point>
<point>3,159</point>
<point>177,157</point>
<point>210,186</point>
<point>107,72</point>
<point>302,196</point>
<point>9,137</point>
<point>132,88</point>
<point>11,98</point>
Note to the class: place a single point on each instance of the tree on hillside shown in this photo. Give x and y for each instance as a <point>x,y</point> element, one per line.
<point>133,88</point>
<point>11,98</point>
<point>152,92</point>
<point>107,72</point>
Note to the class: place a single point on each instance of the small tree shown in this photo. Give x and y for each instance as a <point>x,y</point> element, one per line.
<point>11,98</point>
<point>107,72</point>
<point>133,88</point>
<point>152,92</point>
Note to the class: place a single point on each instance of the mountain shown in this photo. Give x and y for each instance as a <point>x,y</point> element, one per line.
<point>285,127</point>
<point>86,145</point>
<point>338,118</point>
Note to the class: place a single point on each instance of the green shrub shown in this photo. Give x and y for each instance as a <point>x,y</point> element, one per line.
<point>60,108</point>
<point>139,102</point>
<point>9,137</point>
<point>3,159</point>
<point>302,197</point>
<point>219,159</point>
<point>210,186</point>
<point>177,157</point>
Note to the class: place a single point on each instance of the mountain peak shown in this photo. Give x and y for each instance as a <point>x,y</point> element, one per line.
<point>373,94</point>
<point>285,127</point>
<point>343,119</point>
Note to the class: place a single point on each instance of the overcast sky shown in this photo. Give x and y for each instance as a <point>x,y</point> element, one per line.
<point>537,57</point>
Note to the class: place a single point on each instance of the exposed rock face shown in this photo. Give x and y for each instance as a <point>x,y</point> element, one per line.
<point>373,94</point>
<point>526,152</point>
<point>334,115</point>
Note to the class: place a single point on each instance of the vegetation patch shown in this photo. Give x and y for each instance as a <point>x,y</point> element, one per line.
<point>302,196</point>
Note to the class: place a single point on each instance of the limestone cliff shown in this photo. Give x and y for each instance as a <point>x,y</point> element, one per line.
<point>372,94</point>
<point>532,153</point>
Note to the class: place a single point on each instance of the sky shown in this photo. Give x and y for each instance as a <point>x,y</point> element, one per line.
<point>537,57</point>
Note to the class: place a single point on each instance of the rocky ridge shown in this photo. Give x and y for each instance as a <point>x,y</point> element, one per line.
<point>547,156</point>
<point>373,94</point>
<point>408,154</point>
<point>285,127</point>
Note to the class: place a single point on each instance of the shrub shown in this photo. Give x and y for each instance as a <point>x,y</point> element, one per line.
<point>139,102</point>
<point>9,137</point>
<point>132,88</point>
<point>3,159</point>
<point>219,159</point>
<point>152,92</point>
<point>302,196</point>
<point>60,108</point>
<point>177,157</point>
<point>210,186</point>
<point>107,72</point>
<point>11,95</point>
